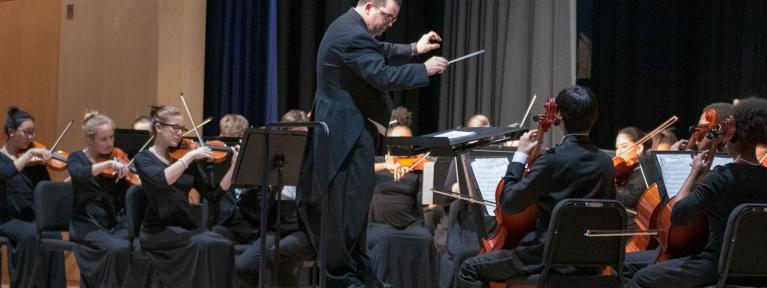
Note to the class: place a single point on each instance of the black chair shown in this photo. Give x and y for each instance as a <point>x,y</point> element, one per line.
<point>743,260</point>
<point>567,246</point>
<point>135,207</point>
<point>53,213</point>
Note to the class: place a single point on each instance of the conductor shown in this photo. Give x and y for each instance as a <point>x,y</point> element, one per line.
<point>355,73</point>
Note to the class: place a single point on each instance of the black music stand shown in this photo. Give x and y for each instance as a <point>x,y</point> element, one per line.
<point>130,140</point>
<point>271,158</point>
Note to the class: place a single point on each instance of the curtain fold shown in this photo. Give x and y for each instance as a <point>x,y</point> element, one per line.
<point>241,61</point>
<point>529,50</point>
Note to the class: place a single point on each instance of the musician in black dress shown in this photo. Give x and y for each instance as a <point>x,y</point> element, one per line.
<point>29,265</point>
<point>182,253</point>
<point>716,194</point>
<point>628,193</point>
<point>103,254</point>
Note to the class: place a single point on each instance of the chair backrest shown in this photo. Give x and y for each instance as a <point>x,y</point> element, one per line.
<point>53,205</point>
<point>743,249</point>
<point>568,246</point>
<point>135,207</point>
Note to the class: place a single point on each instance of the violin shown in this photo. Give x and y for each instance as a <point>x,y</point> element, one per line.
<point>219,149</point>
<point>624,166</point>
<point>690,238</point>
<point>697,132</point>
<point>413,163</point>
<point>122,157</point>
<point>58,161</point>
<point>512,227</point>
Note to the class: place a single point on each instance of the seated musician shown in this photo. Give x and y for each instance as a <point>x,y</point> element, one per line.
<point>182,253</point>
<point>103,254</point>
<point>29,265</point>
<point>722,111</point>
<point>230,126</point>
<point>396,229</point>
<point>664,140</point>
<point>574,169</point>
<point>455,235</point>
<point>294,245</point>
<point>628,193</point>
<point>142,122</point>
<point>715,194</point>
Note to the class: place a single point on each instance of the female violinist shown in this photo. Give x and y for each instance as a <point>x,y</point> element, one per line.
<point>30,267</point>
<point>182,253</point>
<point>103,254</point>
<point>631,189</point>
<point>714,193</point>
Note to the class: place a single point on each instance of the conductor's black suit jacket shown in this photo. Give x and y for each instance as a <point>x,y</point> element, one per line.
<point>355,73</point>
<point>576,168</point>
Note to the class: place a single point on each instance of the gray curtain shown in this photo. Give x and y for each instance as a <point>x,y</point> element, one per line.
<point>529,49</point>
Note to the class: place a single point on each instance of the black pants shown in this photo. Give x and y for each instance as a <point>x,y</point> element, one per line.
<point>349,196</point>
<point>693,271</point>
<point>294,249</point>
<point>30,266</point>
<point>462,243</point>
<point>493,266</point>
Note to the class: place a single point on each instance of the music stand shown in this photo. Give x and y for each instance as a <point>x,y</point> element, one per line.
<point>130,140</point>
<point>271,158</point>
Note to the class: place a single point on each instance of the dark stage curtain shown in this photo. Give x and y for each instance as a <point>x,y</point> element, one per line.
<point>529,48</point>
<point>654,59</point>
<point>241,61</point>
<point>301,27</point>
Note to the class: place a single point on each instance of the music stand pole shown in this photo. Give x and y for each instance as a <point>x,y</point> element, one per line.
<point>265,197</point>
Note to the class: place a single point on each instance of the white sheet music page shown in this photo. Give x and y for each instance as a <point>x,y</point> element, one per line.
<point>676,167</point>
<point>455,134</point>
<point>488,172</point>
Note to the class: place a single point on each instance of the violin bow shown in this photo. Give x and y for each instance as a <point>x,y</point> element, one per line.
<point>58,140</point>
<point>191,119</point>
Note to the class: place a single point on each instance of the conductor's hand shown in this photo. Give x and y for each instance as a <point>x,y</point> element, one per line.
<point>425,43</point>
<point>435,65</point>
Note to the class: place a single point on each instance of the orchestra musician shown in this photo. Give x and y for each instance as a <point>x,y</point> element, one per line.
<point>355,73</point>
<point>103,255</point>
<point>574,169</point>
<point>183,254</point>
<point>715,194</point>
<point>29,266</point>
<point>629,193</point>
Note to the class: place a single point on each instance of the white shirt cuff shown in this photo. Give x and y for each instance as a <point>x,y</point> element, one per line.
<point>520,157</point>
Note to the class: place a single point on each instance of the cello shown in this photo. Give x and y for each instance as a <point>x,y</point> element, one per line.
<point>690,238</point>
<point>512,227</point>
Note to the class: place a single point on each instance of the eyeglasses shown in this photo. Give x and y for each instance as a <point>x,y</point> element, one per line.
<point>389,18</point>
<point>174,127</point>
<point>27,132</point>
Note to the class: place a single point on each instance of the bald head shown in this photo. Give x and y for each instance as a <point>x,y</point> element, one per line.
<point>478,120</point>
<point>399,131</point>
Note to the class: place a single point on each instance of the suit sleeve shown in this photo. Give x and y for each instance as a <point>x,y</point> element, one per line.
<point>363,56</point>
<point>520,191</point>
<point>397,54</point>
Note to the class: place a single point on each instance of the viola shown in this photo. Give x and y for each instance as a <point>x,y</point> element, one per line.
<point>219,149</point>
<point>690,238</point>
<point>512,227</point>
<point>624,166</point>
<point>121,157</point>
<point>697,132</point>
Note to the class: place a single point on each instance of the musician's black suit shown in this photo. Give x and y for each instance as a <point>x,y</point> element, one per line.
<point>354,74</point>
<point>574,169</point>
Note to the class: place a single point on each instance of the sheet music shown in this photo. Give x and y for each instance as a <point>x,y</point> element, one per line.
<point>427,194</point>
<point>674,168</point>
<point>455,134</point>
<point>487,173</point>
